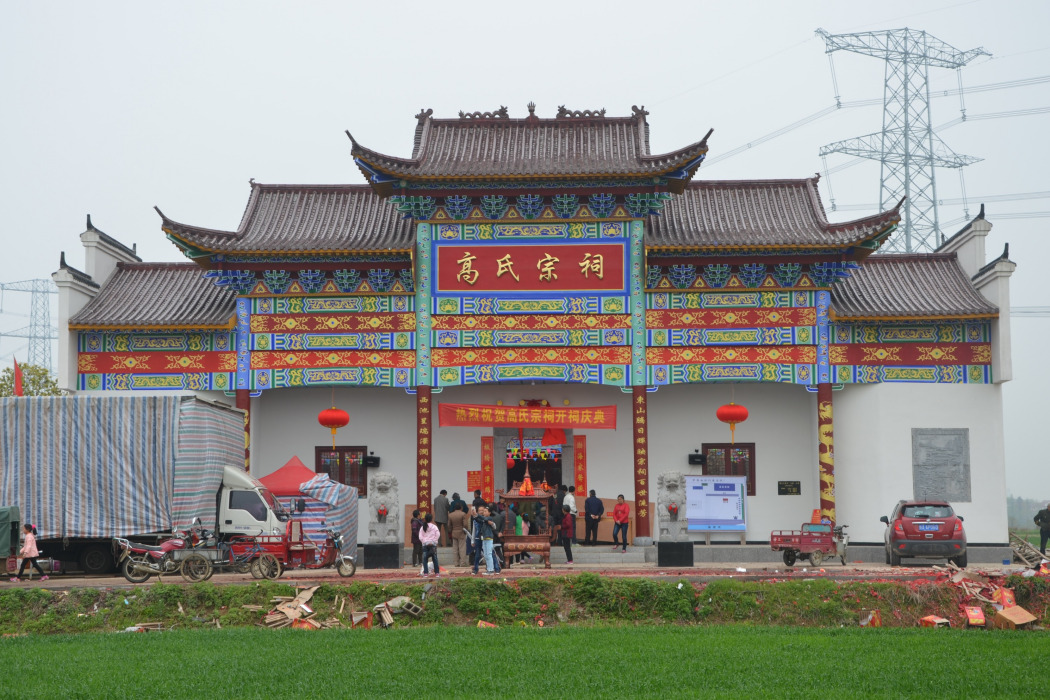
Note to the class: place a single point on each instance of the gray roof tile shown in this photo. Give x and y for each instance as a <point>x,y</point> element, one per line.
<point>158,295</point>
<point>493,145</point>
<point>916,285</point>
<point>739,213</point>
<point>301,218</point>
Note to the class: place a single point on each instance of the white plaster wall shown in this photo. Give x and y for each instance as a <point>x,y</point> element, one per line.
<point>873,452</point>
<point>782,423</point>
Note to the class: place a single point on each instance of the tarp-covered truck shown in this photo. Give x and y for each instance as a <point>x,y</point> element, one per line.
<point>86,469</point>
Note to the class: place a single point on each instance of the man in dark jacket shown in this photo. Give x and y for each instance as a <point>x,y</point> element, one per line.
<point>593,510</point>
<point>1042,519</point>
<point>441,517</point>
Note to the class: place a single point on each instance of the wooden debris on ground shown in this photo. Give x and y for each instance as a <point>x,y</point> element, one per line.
<point>1025,551</point>
<point>291,609</point>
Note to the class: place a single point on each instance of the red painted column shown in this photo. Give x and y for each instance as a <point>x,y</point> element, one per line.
<point>640,431</point>
<point>826,451</point>
<point>423,461</point>
<point>244,402</point>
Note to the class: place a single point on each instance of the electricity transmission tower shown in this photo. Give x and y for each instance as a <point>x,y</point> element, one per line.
<point>39,331</point>
<point>907,147</point>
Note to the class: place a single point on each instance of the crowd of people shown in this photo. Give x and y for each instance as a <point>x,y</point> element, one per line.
<point>475,531</point>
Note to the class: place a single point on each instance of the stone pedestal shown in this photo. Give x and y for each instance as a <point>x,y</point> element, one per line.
<point>381,556</point>
<point>676,554</point>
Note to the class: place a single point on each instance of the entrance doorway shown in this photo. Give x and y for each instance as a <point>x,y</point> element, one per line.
<point>543,463</point>
<point>551,462</point>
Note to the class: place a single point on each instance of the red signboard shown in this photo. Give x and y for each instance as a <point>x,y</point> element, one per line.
<point>474,415</point>
<point>473,480</point>
<point>579,457</point>
<point>531,268</point>
<point>488,487</point>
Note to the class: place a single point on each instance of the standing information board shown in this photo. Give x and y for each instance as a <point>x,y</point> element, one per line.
<point>716,503</point>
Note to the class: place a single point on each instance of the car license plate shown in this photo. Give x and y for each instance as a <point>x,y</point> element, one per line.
<point>928,527</point>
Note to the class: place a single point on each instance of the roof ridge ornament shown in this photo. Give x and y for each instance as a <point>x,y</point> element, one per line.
<point>639,111</point>
<point>424,114</point>
<point>564,113</point>
<point>500,113</point>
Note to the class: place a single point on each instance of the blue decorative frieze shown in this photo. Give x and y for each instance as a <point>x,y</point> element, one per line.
<point>277,281</point>
<point>457,206</point>
<point>652,276</point>
<point>380,279</point>
<point>530,205</point>
<point>825,274</point>
<point>682,276</point>
<point>240,281</point>
<point>752,274</point>
<point>645,204</point>
<point>347,280</point>
<point>602,205</point>
<point>405,276</point>
<point>716,275</point>
<point>565,205</point>
<point>787,274</point>
<point>416,207</point>
<point>312,281</point>
<point>494,206</point>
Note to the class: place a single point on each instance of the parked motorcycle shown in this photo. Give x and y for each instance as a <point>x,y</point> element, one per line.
<point>137,562</point>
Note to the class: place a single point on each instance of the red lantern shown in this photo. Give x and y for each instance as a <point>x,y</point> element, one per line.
<point>510,462</point>
<point>333,418</point>
<point>732,414</point>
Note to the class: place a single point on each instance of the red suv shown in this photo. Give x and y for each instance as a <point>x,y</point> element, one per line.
<point>924,529</point>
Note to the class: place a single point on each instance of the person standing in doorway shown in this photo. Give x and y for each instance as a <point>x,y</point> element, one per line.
<point>457,530</point>
<point>568,529</point>
<point>570,500</point>
<point>621,516</point>
<point>1042,519</point>
<point>593,510</point>
<point>417,546</point>
<point>441,516</point>
<point>29,554</point>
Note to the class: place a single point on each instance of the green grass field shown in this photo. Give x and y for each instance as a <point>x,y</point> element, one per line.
<point>512,662</point>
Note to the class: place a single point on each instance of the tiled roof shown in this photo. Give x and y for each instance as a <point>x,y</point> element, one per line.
<point>299,218</point>
<point>492,145</point>
<point>158,295</point>
<point>916,285</point>
<point>747,213</point>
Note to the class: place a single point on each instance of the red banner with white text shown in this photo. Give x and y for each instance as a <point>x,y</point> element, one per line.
<point>479,416</point>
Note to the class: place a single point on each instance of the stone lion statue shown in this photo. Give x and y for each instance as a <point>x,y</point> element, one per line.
<point>384,508</point>
<point>670,507</point>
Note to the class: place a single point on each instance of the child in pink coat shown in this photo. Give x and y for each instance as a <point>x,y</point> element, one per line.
<point>29,553</point>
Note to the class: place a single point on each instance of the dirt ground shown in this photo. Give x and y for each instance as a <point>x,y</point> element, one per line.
<point>699,572</point>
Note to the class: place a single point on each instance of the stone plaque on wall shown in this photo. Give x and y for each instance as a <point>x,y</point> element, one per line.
<point>940,460</point>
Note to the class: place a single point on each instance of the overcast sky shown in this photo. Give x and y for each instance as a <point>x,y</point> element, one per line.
<point>111,108</point>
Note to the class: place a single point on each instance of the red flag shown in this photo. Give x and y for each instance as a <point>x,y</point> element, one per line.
<point>18,380</point>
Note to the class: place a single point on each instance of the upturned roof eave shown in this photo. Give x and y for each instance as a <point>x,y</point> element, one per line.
<point>372,162</point>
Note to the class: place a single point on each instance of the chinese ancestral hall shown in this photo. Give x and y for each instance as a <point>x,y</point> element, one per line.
<point>546,296</point>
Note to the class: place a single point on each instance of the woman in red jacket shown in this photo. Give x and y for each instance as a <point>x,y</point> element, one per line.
<point>621,512</point>
<point>568,525</point>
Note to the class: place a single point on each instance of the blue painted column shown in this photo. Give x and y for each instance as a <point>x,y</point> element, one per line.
<point>637,272</point>
<point>242,337</point>
<point>825,422</point>
<point>242,342</point>
<point>424,287</point>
